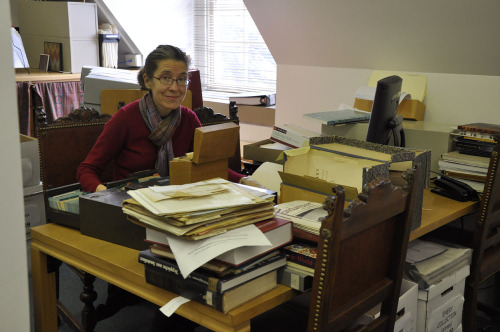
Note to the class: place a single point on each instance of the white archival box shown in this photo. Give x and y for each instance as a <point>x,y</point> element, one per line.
<point>442,303</point>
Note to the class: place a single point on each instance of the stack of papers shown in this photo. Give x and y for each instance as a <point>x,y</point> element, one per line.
<point>427,262</point>
<point>198,210</point>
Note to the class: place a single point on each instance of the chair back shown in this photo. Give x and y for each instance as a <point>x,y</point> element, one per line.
<point>361,253</point>
<point>485,244</point>
<point>65,143</point>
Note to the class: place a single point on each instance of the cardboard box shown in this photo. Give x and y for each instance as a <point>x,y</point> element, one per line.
<point>34,207</point>
<point>256,151</point>
<point>184,170</point>
<point>335,167</point>
<point>407,309</point>
<point>215,142</point>
<point>30,161</point>
<point>297,187</point>
<point>409,109</point>
<point>292,136</point>
<point>440,306</point>
<point>213,146</point>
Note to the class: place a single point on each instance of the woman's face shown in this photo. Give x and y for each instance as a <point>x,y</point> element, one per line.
<point>167,97</point>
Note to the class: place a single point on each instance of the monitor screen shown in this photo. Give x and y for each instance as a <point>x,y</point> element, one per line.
<point>385,126</point>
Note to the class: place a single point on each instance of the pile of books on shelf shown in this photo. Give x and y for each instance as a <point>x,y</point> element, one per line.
<point>214,242</point>
<point>469,162</point>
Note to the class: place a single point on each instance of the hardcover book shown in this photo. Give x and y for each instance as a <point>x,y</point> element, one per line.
<point>220,301</point>
<point>222,293</point>
<point>256,99</point>
<point>210,281</point>
<point>301,253</point>
<point>332,118</point>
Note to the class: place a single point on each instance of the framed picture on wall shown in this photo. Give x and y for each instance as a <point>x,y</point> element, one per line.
<point>54,50</point>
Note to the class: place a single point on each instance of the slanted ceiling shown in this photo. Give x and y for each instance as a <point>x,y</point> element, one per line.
<point>459,36</point>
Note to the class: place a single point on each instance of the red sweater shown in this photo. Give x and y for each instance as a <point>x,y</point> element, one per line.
<point>125,141</point>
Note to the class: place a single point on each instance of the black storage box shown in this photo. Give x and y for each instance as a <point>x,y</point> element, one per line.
<point>101,217</point>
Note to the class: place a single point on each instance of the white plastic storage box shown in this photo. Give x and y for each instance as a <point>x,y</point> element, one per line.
<point>30,161</point>
<point>34,207</point>
<point>440,306</point>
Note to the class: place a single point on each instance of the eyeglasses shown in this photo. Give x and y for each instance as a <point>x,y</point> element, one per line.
<point>165,80</point>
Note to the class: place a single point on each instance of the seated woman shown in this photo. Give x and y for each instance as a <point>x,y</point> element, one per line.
<point>147,134</point>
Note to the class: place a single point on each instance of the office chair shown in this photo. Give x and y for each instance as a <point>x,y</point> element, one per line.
<point>361,253</point>
<point>486,250</point>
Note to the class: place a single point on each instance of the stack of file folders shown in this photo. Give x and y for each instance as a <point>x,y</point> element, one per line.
<point>67,202</point>
<point>198,210</point>
<point>469,169</point>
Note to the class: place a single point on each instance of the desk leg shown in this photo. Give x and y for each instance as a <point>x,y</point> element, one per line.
<point>44,292</point>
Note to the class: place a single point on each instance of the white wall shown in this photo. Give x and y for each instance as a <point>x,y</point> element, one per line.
<point>327,49</point>
<point>14,300</point>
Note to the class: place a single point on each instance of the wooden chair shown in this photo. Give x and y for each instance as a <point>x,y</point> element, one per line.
<point>485,261</point>
<point>63,145</point>
<point>361,254</point>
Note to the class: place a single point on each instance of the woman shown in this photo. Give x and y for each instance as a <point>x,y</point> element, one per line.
<point>148,133</point>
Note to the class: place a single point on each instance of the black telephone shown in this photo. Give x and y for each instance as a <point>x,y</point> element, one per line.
<point>454,189</point>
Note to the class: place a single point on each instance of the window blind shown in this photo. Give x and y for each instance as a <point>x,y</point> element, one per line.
<point>229,50</point>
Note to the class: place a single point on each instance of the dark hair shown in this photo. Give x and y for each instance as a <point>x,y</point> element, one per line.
<point>162,52</point>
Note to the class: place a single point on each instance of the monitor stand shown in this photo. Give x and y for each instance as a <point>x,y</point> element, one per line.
<point>398,134</point>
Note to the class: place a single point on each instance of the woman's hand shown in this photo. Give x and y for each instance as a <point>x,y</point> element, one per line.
<point>100,187</point>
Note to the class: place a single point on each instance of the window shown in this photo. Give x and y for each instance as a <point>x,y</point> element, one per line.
<point>229,50</point>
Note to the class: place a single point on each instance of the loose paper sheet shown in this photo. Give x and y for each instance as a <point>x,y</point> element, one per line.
<point>190,255</point>
<point>169,308</point>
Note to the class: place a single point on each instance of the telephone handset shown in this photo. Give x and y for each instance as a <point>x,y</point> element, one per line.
<point>454,189</point>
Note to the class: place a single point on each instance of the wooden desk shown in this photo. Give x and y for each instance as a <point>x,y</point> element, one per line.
<point>119,265</point>
<point>438,211</point>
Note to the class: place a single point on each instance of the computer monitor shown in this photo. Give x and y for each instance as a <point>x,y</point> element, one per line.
<point>386,126</point>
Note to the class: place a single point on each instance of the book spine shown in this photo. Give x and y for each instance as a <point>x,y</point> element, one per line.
<point>188,288</point>
<point>298,258</point>
<point>210,283</point>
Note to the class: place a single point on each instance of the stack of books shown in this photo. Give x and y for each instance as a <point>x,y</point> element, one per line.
<point>218,286</point>
<point>213,241</point>
<point>306,217</point>
<point>476,138</point>
<point>428,262</point>
<point>299,270</point>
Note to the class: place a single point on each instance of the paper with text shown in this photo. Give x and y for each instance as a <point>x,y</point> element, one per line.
<point>190,255</point>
